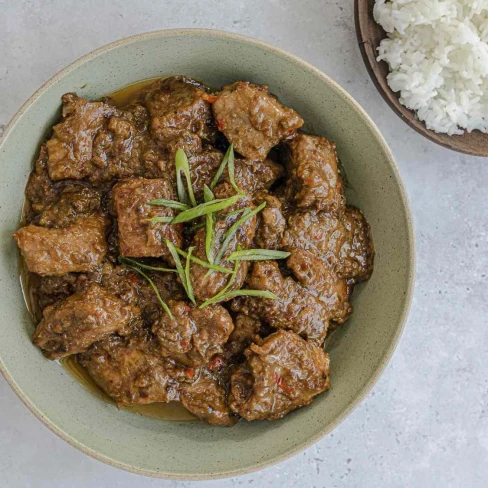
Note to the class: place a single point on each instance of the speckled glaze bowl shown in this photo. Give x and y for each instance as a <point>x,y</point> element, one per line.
<point>360,349</point>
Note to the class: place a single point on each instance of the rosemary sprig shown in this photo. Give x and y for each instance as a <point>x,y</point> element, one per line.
<point>257,255</point>
<point>155,289</point>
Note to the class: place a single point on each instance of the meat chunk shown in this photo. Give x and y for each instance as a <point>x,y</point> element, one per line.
<point>282,373</point>
<point>138,237</point>
<point>180,117</point>
<point>252,119</point>
<point>246,330</point>
<point>194,335</point>
<point>305,305</point>
<point>40,190</point>
<point>129,372</point>
<point>74,201</point>
<point>344,242</point>
<point>271,222</point>
<point>253,176</point>
<point>207,284</point>
<point>313,175</point>
<point>71,147</point>
<point>206,398</point>
<point>84,318</point>
<point>77,248</point>
<point>120,150</point>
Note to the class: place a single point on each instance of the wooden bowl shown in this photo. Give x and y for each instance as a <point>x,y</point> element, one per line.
<point>369,35</point>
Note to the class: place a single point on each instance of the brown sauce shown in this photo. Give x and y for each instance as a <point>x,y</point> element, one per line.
<point>164,411</point>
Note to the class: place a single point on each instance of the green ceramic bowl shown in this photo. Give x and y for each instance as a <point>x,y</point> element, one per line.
<point>360,349</point>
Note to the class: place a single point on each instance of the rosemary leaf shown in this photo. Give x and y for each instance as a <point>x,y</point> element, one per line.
<point>163,202</point>
<point>205,208</point>
<point>155,288</point>
<point>186,196</point>
<point>257,255</point>
<point>133,262</point>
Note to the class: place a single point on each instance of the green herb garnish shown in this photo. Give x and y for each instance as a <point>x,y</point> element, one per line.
<point>163,202</point>
<point>203,263</point>
<point>180,269</point>
<point>248,214</point>
<point>231,169</point>
<point>241,293</point>
<point>133,262</point>
<point>185,196</point>
<point>222,292</point>
<point>208,196</point>
<point>257,255</point>
<point>155,288</point>
<point>205,208</point>
<point>189,287</point>
<point>222,166</point>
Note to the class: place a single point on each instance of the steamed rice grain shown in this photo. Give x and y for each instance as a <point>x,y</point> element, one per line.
<point>437,51</point>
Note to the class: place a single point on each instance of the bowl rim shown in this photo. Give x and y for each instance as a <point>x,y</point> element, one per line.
<point>384,360</point>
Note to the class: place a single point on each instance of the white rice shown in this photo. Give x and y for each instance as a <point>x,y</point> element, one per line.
<point>437,51</point>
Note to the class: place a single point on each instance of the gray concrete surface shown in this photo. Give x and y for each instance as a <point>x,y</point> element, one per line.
<point>425,424</point>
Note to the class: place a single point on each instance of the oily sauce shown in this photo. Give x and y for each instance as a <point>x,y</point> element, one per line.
<point>165,411</point>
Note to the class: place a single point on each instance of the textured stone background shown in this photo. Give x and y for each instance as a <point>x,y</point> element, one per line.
<point>425,424</point>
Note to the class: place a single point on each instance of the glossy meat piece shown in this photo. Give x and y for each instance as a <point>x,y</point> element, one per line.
<point>313,176</point>
<point>271,222</point>
<point>74,249</point>
<point>246,330</point>
<point>120,150</point>
<point>180,117</point>
<point>74,201</point>
<point>137,236</point>
<point>206,285</point>
<point>130,372</point>
<point>305,305</point>
<point>71,147</point>
<point>206,398</point>
<point>253,119</point>
<point>282,373</point>
<point>344,242</point>
<point>194,335</point>
<point>253,176</point>
<point>40,190</point>
<point>73,325</point>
